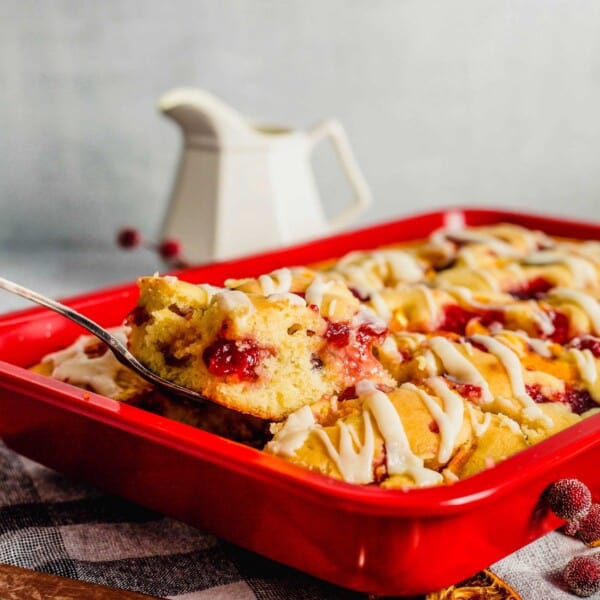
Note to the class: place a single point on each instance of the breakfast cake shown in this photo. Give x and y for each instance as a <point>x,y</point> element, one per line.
<point>404,366</point>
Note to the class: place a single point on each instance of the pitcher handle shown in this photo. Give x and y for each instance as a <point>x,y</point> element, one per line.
<point>362,198</point>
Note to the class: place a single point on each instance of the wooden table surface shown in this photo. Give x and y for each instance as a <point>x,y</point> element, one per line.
<point>23,584</point>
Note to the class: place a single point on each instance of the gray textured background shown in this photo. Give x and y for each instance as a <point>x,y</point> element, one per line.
<point>446,102</point>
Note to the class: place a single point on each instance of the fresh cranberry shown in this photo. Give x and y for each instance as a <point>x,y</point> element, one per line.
<point>129,238</point>
<point>169,249</point>
<point>534,289</point>
<point>587,342</point>
<point>239,358</point>
<point>338,334</point>
<point>589,525</point>
<point>569,499</point>
<point>582,575</point>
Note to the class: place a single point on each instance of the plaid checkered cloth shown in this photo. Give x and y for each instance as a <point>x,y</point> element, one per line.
<point>52,524</point>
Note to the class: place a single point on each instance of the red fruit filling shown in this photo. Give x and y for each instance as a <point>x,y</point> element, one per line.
<point>348,394</point>
<point>456,318</point>
<point>580,401</point>
<point>569,499</point>
<point>359,295</point>
<point>338,334</point>
<point>582,575</point>
<point>466,390</point>
<point>533,289</point>
<point>353,345</point>
<point>589,526</point>
<point>434,427</point>
<point>561,327</point>
<point>587,342</point>
<point>238,358</point>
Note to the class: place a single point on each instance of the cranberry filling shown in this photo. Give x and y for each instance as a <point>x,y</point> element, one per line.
<point>368,333</point>
<point>239,358</point>
<point>561,327</point>
<point>359,295</point>
<point>348,394</point>
<point>434,427</point>
<point>587,342</point>
<point>533,289</point>
<point>353,345</point>
<point>469,391</point>
<point>536,394</point>
<point>338,334</point>
<point>456,318</point>
<point>580,401</point>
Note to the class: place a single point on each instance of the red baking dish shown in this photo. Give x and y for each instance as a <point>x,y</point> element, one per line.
<point>387,542</point>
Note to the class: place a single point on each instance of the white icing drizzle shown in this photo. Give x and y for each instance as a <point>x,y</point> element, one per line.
<point>390,347</point>
<point>293,434</point>
<point>432,306</point>
<point>458,366</point>
<point>277,282</point>
<point>427,362</point>
<point>210,290</point>
<point>469,257</point>
<point>512,366</point>
<point>399,456</point>
<point>403,266</point>
<point>316,290</point>
<point>355,466</point>
<point>231,299</point>
<point>478,428</point>
<point>97,373</point>
<point>499,247</point>
<point>380,307</point>
<point>449,420</point>
<point>289,297</point>
<point>489,279</point>
<point>583,270</point>
<point>539,346</point>
<point>356,277</point>
<point>587,303</point>
<point>510,423</point>
<point>353,459</point>
<point>541,318</point>
<point>586,364</point>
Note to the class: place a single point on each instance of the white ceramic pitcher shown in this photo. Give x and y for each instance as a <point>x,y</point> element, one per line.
<point>241,187</point>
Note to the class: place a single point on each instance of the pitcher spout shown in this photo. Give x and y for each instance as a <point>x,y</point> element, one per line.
<point>205,119</point>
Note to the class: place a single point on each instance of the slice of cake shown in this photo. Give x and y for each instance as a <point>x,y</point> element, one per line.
<point>264,346</point>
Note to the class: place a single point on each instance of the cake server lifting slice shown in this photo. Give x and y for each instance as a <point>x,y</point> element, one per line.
<point>120,351</point>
